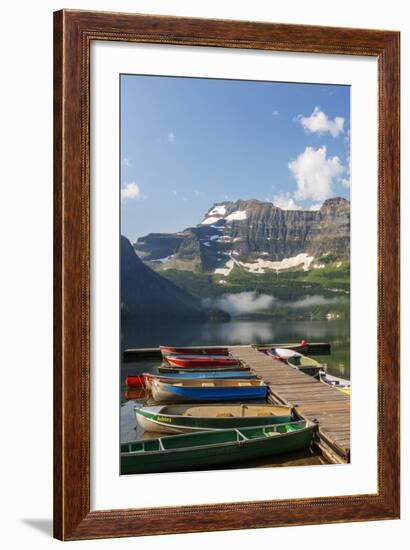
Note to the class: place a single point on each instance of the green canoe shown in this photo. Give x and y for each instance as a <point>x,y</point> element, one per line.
<point>213,448</point>
<point>307,365</point>
<point>196,418</point>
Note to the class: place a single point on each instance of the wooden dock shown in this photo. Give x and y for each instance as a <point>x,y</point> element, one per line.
<point>313,399</point>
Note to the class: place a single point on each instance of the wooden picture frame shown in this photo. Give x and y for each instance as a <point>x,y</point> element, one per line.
<point>74,32</point>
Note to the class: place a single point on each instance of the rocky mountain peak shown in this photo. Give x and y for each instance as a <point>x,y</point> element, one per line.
<point>336,203</point>
<point>253,235</point>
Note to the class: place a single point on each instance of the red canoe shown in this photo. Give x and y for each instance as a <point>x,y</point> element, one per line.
<point>165,350</point>
<point>189,361</point>
<point>135,381</point>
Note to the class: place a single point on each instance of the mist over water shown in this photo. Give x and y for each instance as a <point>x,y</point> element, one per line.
<point>252,302</point>
<point>244,302</point>
<point>317,300</point>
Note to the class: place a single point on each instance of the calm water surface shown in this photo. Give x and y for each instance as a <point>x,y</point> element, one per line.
<point>136,335</point>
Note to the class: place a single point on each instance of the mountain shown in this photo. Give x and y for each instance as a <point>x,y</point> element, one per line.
<point>255,236</point>
<point>145,293</point>
<point>331,232</point>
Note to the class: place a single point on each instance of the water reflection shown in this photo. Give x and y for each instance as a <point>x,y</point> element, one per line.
<point>179,333</point>
<point>336,332</point>
<point>134,393</point>
<point>237,332</point>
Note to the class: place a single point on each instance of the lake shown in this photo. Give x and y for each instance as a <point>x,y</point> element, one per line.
<point>336,332</point>
<point>134,335</point>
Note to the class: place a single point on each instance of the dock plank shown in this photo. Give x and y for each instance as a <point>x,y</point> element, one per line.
<point>314,400</point>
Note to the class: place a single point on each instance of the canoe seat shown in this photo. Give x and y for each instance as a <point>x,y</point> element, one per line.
<point>264,412</point>
<point>212,412</point>
<point>236,410</point>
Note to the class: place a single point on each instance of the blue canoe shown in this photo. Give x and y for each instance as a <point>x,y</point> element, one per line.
<point>191,376</point>
<point>208,390</point>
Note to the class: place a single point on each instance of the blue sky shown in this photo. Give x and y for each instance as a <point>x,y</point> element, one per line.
<point>187,143</point>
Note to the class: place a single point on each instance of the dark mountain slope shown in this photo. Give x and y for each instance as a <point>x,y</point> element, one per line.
<point>146,294</point>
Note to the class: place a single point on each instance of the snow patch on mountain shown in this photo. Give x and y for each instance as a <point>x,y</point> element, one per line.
<point>209,221</point>
<point>217,214</point>
<point>260,265</point>
<point>164,260</point>
<point>217,211</point>
<point>224,271</point>
<point>238,215</point>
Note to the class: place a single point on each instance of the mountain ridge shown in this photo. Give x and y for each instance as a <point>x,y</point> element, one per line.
<point>256,236</point>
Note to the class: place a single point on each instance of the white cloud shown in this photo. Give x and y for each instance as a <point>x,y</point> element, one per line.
<point>131,191</point>
<point>171,137</point>
<point>315,206</point>
<point>314,174</point>
<point>275,113</point>
<point>318,122</point>
<point>285,201</point>
<point>347,180</point>
<point>125,162</point>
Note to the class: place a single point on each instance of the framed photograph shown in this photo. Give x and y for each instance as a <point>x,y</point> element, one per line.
<point>226,275</point>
